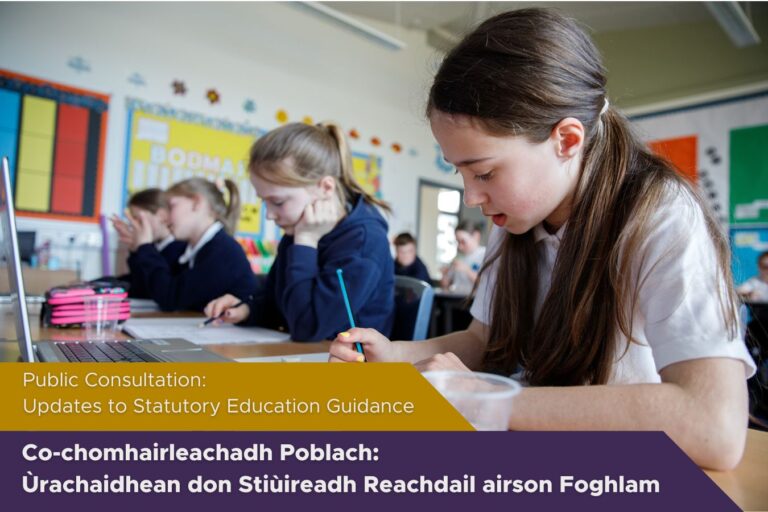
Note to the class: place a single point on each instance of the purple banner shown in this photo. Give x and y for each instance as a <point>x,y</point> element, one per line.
<point>191,471</point>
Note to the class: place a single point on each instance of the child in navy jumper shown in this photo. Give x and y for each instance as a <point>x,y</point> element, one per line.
<point>304,176</point>
<point>407,263</point>
<point>154,202</point>
<point>212,264</point>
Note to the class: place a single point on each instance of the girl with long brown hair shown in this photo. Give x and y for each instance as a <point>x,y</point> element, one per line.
<point>607,286</point>
<point>304,176</point>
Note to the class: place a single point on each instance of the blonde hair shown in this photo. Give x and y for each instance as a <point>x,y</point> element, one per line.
<point>299,155</point>
<point>226,212</point>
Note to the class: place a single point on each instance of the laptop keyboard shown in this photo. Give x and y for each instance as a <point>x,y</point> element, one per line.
<point>105,352</point>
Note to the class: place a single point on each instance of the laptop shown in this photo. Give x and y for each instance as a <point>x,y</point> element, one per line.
<point>131,351</point>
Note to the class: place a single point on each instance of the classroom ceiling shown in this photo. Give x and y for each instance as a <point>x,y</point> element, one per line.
<point>446,22</point>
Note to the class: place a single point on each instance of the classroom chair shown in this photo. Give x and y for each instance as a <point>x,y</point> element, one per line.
<point>413,308</point>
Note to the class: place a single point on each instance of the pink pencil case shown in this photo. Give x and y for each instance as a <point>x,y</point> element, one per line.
<point>59,296</point>
<point>109,312</point>
<point>61,320</point>
<point>65,306</point>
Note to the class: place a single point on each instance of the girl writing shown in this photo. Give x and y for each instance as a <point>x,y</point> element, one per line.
<point>607,281</point>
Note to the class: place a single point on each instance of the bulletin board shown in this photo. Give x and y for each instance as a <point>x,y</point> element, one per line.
<point>167,145</point>
<point>722,146</point>
<point>747,244</point>
<point>54,138</point>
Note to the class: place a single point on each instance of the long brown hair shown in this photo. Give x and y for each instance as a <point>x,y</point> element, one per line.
<point>226,211</point>
<point>299,155</point>
<point>519,74</point>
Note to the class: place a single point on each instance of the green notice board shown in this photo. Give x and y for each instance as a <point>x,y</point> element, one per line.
<point>749,175</point>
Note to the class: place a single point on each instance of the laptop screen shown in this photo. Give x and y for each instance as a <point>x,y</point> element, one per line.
<point>10,250</point>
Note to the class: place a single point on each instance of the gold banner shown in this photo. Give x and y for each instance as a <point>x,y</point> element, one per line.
<point>221,396</point>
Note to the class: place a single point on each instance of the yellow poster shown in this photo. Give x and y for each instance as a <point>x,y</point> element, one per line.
<point>166,146</point>
<point>367,171</point>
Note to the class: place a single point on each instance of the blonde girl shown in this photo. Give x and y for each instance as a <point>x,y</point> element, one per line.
<point>204,215</point>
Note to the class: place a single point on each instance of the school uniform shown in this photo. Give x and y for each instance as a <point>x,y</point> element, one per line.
<point>417,270</point>
<point>459,281</point>
<point>215,266</point>
<point>756,287</point>
<point>677,315</point>
<point>169,248</point>
<point>302,293</point>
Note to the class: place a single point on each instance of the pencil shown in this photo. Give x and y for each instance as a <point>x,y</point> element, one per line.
<point>208,321</point>
<point>339,272</point>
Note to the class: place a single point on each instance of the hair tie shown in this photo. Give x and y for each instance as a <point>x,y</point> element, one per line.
<point>606,104</point>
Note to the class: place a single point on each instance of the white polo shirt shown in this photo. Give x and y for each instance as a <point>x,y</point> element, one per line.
<point>756,287</point>
<point>677,315</point>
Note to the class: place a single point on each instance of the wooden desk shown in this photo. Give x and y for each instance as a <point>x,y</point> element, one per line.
<point>9,350</point>
<point>747,485</point>
<point>36,280</point>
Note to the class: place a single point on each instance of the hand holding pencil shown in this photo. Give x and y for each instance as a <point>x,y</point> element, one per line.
<point>228,309</point>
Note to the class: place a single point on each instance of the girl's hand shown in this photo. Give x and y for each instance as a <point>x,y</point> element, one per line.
<point>447,361</point>
<point>319,219</point>
<point>224,305</point>
<point>377,348</point>
<point>125,232</point>
<point>142,228</point>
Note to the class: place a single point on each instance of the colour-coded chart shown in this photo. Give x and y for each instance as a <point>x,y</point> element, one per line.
<point>54,138</point>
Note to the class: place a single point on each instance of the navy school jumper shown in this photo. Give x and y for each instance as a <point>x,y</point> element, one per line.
<point>171,252</point>
<point>302,293</point>
<point>220,267</point>
<point>417,270</point>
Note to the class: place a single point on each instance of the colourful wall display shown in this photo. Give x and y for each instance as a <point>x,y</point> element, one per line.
<point>167,145</point>
<point>721,146</point>
<point>54,138</point>
<point>747,245</point>
<point>749,174</point>
<point>367,171</point>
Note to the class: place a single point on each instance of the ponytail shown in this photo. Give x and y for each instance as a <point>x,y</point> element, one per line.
<point>299,155</point>
<point>226,212</point>
<point>232,211</point>
<point>346,176</point>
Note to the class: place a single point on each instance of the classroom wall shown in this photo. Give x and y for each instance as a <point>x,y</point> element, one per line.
<point>286,58</point>
<point>659,64</point>
<point>277,54</point>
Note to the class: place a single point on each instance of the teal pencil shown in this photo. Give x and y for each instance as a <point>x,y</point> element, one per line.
<point>358,345</point>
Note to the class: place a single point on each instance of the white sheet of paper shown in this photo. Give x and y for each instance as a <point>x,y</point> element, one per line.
<point>189,329</point>
<point>317,357</point>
